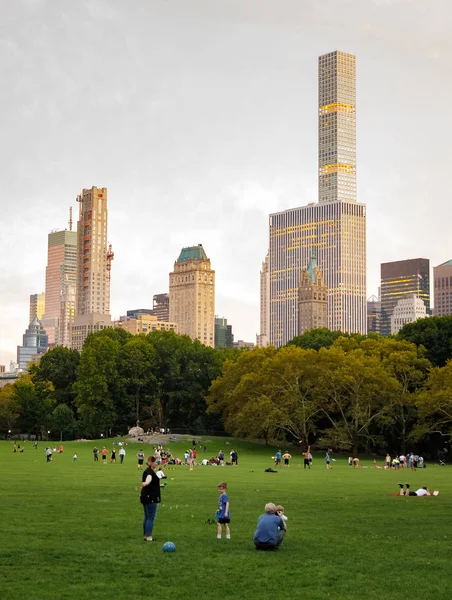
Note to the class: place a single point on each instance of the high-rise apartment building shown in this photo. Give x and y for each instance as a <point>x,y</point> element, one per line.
<point>373,315</point>
<point>442,276</point>
<point>401,279</point>
<point>160,306</point>
<point>312,298</point>
<point>263,338</point>
<point>67,314</point>
<point>192,295</point>
<point>61,270</point>
<point>37,306</point>
<point>335,227</point>
<point>224,337</point>
<point>34,344</point>
<point>407,310</point>
<point>337,127</point>
<point>94,257</point>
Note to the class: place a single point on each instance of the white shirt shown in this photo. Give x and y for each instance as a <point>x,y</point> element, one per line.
<point>422,492</point>
<point>122,451</point>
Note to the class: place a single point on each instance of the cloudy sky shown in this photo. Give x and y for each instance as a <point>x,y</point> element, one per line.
<point>200,116</point>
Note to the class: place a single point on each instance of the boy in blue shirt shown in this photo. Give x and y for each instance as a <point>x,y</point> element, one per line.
<point>223,513</point>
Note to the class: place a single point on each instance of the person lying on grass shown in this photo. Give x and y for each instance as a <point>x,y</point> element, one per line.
<point>423,491</point>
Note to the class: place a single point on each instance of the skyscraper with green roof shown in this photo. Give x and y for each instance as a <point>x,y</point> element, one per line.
<point>192,295</point>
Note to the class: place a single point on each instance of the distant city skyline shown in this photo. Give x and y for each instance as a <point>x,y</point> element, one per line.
<point>203,142</point>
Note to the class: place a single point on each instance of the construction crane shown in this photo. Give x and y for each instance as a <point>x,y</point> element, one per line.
<point>110,257</point>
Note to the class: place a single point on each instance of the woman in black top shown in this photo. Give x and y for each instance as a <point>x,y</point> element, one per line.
<point>150,497</point>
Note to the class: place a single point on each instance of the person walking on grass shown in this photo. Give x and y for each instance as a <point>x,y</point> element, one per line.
<point>149,497</point>
<point>113,456</point>
<point>140,456</point>
<point>278,459</point>
<point>122,453</point>
<point>306,462</point>
<point>328,460</point>
<point>96,454</point>
<point>74,458</point>
<point>104,455</point>
<point>223,513</point>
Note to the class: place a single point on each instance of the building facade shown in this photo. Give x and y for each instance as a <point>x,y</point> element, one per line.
<point>312,298</point>
<point>160,306</point>
<point>407,310</point>
<point>373,315</point>
<point>401,279</point>
<point>37,306</point>
<point>241,344</point>
<point>192,295</point>
<point>263,338</point>
<point>335,227</point>
<point>442,290</point>
<point>61,271</point>
<point>145,323</point>
<point>67,314</point>
<point>94,256</point>
<point>34,344</point>
<point>224,337</point>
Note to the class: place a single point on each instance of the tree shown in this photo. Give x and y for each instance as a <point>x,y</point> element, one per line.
<point>356,394</point>
<point>316,339</point>
<point>435,403</point>
<point>136,365</point>
<point>184,371</point>
<point>34,404</point>
<point>8,409</point>
<point>407,364</point>
<point>59,367</point>
<point>63,420</point>
<point>98,388</point>
<point>435,334</point>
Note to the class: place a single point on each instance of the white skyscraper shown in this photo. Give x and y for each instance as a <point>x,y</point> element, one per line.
<point>263,337</point>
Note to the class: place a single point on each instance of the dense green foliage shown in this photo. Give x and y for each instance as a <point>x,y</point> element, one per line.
<point>359,393</point>
<point>347,538</point>
<point>160,379</point>
<point>325,388</point>
<point>435,334</point>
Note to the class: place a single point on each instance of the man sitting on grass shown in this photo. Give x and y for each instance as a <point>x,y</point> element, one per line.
<point>270,530</point>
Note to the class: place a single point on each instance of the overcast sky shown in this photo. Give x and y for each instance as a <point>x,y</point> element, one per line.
<point>200,117</point>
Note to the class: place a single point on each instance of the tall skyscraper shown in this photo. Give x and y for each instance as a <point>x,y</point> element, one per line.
<point>34,343</point>
<point>192,295</point>
<point>224,337</point>
<point>94,257</point>
<point>160,306</point>
<point>442,276</point>
<point>401,279</point>
<point>337,127</point>
<point>312,298</point>
<point>335,227</point>
<point>37,306</point>
<point>263,338</point>
<point>60,271</point>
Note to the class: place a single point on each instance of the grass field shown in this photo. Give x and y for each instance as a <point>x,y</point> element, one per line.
<point>74,530</point>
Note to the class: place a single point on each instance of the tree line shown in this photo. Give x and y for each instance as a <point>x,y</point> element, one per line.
<point>325,388</point>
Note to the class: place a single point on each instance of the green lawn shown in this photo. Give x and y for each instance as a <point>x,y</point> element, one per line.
<point>74,531</point>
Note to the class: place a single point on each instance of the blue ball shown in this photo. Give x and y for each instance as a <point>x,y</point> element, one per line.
<point>169,547</point>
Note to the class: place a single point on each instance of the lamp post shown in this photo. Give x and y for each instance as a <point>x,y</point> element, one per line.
<point>48,434</point>
<point>9,433</point>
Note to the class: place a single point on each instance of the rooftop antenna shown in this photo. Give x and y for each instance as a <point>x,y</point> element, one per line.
<point>70,218</point>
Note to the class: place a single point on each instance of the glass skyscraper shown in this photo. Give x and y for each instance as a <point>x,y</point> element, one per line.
<point>34,343</point>
<point>335,227</point>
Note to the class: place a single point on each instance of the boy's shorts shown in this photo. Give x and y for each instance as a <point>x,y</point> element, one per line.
<point>224,520</point>
<point>140,461</point>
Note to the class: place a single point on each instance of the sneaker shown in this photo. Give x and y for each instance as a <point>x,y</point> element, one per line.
<point>218,537</point>
<point>407,486</point>
<point>228,537</point>
<point>400,485</point>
